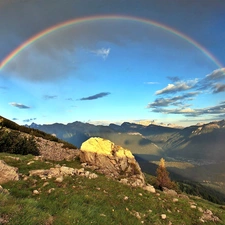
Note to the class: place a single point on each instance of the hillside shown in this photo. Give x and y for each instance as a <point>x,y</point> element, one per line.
<point>202,146</point>
<point>83,198</point>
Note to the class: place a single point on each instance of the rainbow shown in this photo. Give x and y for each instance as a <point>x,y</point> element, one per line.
<point>49,30</point>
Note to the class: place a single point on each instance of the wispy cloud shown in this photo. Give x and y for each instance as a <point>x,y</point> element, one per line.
<point>217,88</point>
<point>177,100</point>
<point>151,82</point>
<point>50,96</point>
<point>216,75</point>
<point>208,82</point>
<point>174,78</point>
<point>177,87</point>
<point>102,52</point>
<point>69,99</point>
<point>19,105</point>
<point>93,97</point>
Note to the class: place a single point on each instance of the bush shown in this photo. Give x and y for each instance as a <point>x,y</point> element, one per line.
<point>12,142</point>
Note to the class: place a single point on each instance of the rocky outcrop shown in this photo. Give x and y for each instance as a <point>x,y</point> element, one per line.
<point>7,173</point>
<point>112,160</point>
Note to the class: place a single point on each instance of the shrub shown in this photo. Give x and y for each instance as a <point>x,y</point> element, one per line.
<point>162,176</point>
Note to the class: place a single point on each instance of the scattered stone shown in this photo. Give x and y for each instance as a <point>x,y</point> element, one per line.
<point>169,191</point>
<point>124,181</point>
<point>92,176</point>
<point>140,194</point>
<point>175,200</point>
<point>137,215</point>
<point>149,188</point>
<point>59,179</point>
<point>125,198</point>
<point>25,177</point>
<point>45,184</point>
<point>54,151</point>
<point>4,191</point>
<point>59,171</point>
<point>193,206</point>
<point>36,192</point>
<point>15,158</point>
<point>208,216</point>
<point>163,216</point>
<point>29,163</point>
<point>102,215</point>
<point>51,190</point>
<point>200,209</point>
<point>8,173</point>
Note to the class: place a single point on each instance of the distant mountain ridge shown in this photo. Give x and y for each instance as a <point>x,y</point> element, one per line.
<point>194,142</point>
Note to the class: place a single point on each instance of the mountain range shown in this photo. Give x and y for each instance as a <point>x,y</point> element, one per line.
<point>197,143</point>
<point>195,153</point>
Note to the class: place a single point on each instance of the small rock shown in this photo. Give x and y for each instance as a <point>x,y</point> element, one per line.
<point>125,198</point>
<point>45,184</point>
<point>140,194</point>
<point>36,192</point>
<point>59,179</point>
<point>149,188</point>
<point>169,191</point>
<point>137,214</point>
<point>50,190</point>
<point>193,206</point>
<point>163,216</point>
<point>92,176</point>
<point>175,199</point>
<point>29,163</point>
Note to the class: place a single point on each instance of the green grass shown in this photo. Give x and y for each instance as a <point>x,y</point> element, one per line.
<point>78,200</point>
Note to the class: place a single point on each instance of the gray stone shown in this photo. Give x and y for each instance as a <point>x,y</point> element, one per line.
<point>8,173</point>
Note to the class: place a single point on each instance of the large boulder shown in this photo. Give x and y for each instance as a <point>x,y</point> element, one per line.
<point>111,160</point>
<point>7,173</point>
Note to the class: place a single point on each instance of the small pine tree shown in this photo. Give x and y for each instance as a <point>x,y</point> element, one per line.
<point>162,176</point>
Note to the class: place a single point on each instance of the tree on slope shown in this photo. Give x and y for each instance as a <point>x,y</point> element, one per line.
<point>162,176</point>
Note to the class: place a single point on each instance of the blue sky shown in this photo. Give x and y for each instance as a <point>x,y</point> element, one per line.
<point>113,70</point>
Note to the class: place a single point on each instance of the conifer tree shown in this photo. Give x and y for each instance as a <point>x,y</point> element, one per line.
<point>162,176</point>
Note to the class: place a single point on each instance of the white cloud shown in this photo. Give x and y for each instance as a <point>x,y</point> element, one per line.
<point>187,110</point>
<point>178,86</point>
<point>102,52</point>
<point>19,105</point>
<point>151,82</point>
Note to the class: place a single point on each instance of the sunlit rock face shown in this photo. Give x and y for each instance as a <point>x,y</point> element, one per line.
<point>7,173</point>
<point>111,160</point>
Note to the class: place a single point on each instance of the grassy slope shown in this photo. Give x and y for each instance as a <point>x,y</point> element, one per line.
<point>79,200</point>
